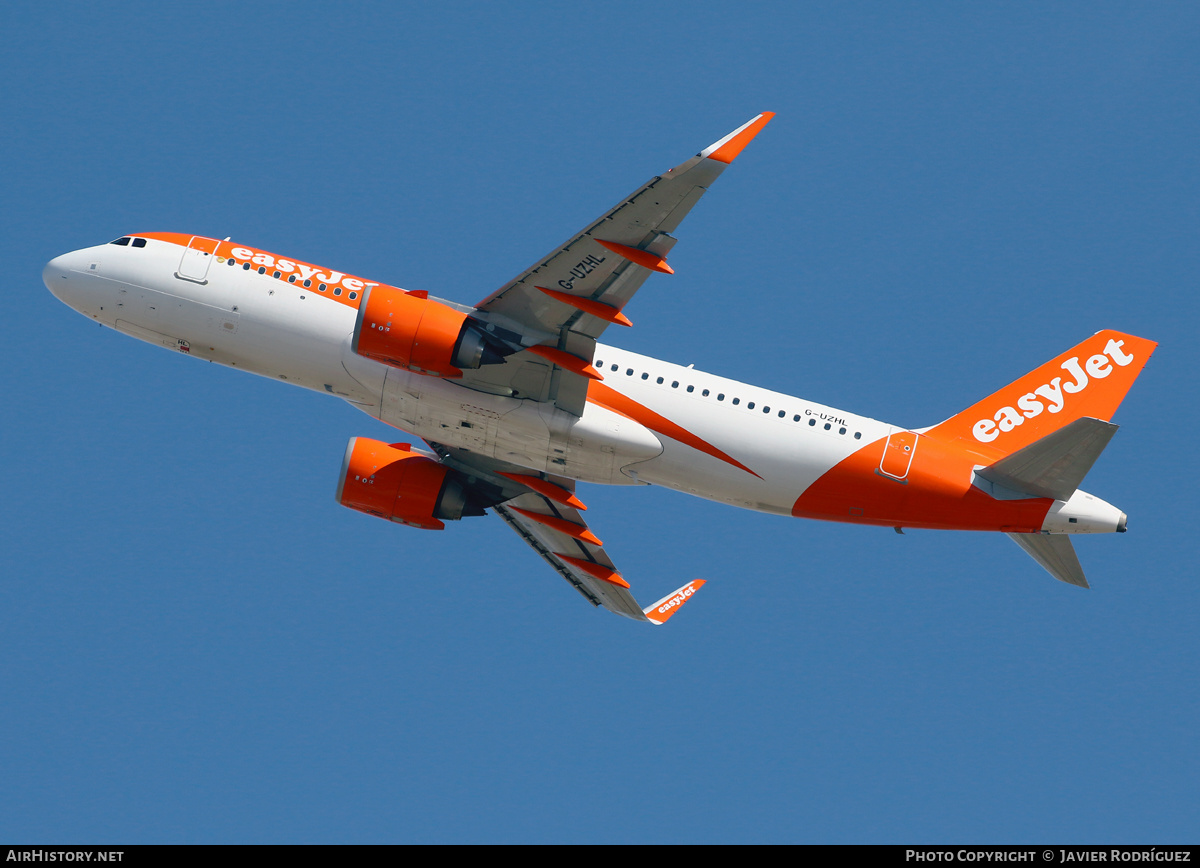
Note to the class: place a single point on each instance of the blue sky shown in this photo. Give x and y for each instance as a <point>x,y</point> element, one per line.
<point>199,645</point>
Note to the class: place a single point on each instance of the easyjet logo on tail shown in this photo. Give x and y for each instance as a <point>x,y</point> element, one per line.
<point>1052,396</point>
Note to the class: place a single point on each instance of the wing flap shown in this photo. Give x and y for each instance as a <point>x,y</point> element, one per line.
<point>541,509</point>
<point>538,520</point>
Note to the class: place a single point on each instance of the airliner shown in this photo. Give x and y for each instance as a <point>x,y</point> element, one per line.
<point>517,401</point>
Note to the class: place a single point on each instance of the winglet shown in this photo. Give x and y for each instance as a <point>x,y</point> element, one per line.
<point>669,605</point>
<point>729,147</point>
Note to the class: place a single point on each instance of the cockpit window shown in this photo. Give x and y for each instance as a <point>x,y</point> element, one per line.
<point>121,242</point>
<point>139,242</point>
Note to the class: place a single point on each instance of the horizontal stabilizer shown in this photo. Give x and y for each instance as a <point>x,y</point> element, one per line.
<point>1055,553</point>
<point>1055,465</point>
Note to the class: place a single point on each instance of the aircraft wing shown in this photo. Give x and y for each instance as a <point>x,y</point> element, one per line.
<point>566,299</point>
<point>547,515</point>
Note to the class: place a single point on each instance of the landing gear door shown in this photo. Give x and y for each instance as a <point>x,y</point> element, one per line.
<point>196,259</point>
<point>898,454</point>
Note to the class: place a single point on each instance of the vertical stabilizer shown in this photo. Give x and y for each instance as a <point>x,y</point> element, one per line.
<point>1088,380</point>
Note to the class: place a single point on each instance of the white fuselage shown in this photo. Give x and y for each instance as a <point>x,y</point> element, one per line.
<point>253,322</point>
<point>704,435</point>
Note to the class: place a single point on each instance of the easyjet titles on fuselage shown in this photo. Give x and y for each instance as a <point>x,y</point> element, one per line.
<point>303,270</point>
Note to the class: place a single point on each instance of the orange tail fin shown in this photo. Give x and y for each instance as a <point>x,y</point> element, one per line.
<point>1090,379</point>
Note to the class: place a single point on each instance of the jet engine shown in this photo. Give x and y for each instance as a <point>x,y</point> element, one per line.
<point>411,488</point>
<point>409,330</point>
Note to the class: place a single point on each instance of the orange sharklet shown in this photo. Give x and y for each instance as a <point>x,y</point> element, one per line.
<point>729,149</point>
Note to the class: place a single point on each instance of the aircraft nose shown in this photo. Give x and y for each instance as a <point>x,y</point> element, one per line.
<point>56,275</point>
<point>61,278</point>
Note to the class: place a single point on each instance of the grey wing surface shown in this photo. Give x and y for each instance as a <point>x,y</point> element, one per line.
<point>571,295</point>
<point>541,513</point>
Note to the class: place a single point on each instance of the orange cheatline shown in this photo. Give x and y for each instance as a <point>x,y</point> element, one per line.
<point>546,488</point>
<point>570,528</point>
<point>611,399</point>
<point>565,360</point>
<point>732,146</point>
<point>596,570</point>
<point>644,258</point>
<point>588,305</point>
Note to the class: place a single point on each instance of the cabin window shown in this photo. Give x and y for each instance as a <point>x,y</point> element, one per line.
<point>812,421</point>
<point>691,388</point>
<point>749,405</point>
<point>857,435</point>
<point>307,283</point>
<point>337,290</point>
<point>796,418</point>
<point>262,269</point>
<point>720,396</point>
<point>292,279</point>
<point>354,295</point>
<point>322,287</point>
<point>245,266</point>
<point>645,376</point>
<point>737,400</point>
<point>276,275</point>
<point>675,384</point>
<point>766,409</point>
<point>705,393</point>
<point>827,426</point>
<point>782,413</point>
<point>660,381</point>
<point>841,430</point>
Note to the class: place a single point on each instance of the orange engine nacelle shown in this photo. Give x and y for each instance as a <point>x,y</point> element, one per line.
<point>407,330</point>
<point>395,483</point>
